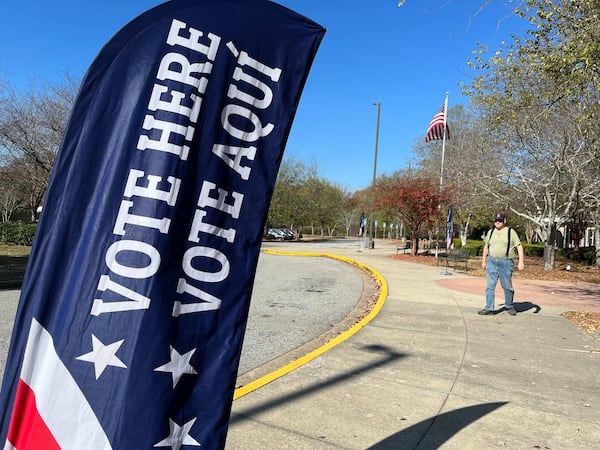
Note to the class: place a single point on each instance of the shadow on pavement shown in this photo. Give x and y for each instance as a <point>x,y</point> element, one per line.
<point>584,291</point>
<point>526,306</point>
<point>446,426</point>
<point>388,356</point>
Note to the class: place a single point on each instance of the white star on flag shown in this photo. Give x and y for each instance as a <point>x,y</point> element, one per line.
<point>103,355</point>
<point>179,365</point>
<point>179,436</point>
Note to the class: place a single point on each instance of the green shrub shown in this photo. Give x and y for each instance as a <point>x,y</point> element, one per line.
<point>533,250</point>
<point>475,247</point>
<point>585,255</point>
<point>17,233</point>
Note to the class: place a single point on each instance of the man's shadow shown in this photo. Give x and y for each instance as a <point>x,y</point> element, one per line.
<point>522,307</point>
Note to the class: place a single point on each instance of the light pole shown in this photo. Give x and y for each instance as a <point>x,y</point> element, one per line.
<point>378,104</point>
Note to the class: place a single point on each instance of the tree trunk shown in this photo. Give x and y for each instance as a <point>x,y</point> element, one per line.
<point>414,247</point>
<point>549,256</point>
<point>463,235</point>
<point>464,231</point>
<point>597,244</point>
<point>549,248</point>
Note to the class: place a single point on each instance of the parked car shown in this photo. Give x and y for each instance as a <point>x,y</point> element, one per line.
<point>289,234</point>
<point>282,234</point>
<point>276,233</point>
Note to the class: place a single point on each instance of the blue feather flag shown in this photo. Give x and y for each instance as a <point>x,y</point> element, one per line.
<point>134,305</point>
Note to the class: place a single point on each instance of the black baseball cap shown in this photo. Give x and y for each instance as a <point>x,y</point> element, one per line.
<point>499,216</point>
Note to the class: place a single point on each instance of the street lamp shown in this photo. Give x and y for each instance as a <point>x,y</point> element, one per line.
<point>378,104</point>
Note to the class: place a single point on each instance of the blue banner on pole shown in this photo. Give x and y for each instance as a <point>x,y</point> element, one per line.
<point>135,300</point>
<point>450,228</point>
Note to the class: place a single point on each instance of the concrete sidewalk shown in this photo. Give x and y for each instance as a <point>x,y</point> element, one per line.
<point>429,373</point>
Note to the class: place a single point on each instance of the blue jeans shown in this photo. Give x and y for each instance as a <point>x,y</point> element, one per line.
<point>499,269</point>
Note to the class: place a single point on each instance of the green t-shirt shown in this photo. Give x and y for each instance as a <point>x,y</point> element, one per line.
<point>499,241</point>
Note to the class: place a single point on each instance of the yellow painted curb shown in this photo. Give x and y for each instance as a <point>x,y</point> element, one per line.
<point>262,381</point>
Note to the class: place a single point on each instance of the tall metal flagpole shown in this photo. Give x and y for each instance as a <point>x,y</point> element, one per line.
<point>444,143</point>
<point>442,184</point>
<point>437,231</point>
<point>370,237</point>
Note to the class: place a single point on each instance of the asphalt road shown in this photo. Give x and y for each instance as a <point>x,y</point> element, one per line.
<point>295,299</point>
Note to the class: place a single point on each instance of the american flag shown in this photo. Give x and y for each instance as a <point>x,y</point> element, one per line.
<point>437,125</point>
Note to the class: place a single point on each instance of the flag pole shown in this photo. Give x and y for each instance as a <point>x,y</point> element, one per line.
<point>437,230</point>
<point>369,241</point>
<point>445,272</point>
<point>444,142</point>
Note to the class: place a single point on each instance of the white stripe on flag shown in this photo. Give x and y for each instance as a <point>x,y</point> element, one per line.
<point>60,402</point>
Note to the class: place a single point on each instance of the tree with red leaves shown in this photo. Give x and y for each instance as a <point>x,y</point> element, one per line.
<point>416,199</point>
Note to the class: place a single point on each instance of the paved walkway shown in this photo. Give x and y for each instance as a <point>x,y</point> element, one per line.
<point>533,293</point>
<point>429,373</point>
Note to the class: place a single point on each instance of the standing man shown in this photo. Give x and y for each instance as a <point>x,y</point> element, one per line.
<point>498,262</point>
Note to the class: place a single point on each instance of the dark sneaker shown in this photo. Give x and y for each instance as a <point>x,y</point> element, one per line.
<point>485,312</point>
<point>512,311</point>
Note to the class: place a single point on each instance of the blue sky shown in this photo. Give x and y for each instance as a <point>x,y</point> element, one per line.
<point>405,57</point>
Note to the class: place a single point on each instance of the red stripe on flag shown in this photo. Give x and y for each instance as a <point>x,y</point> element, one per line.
<point>438,125</point>
<point>27,430</point>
